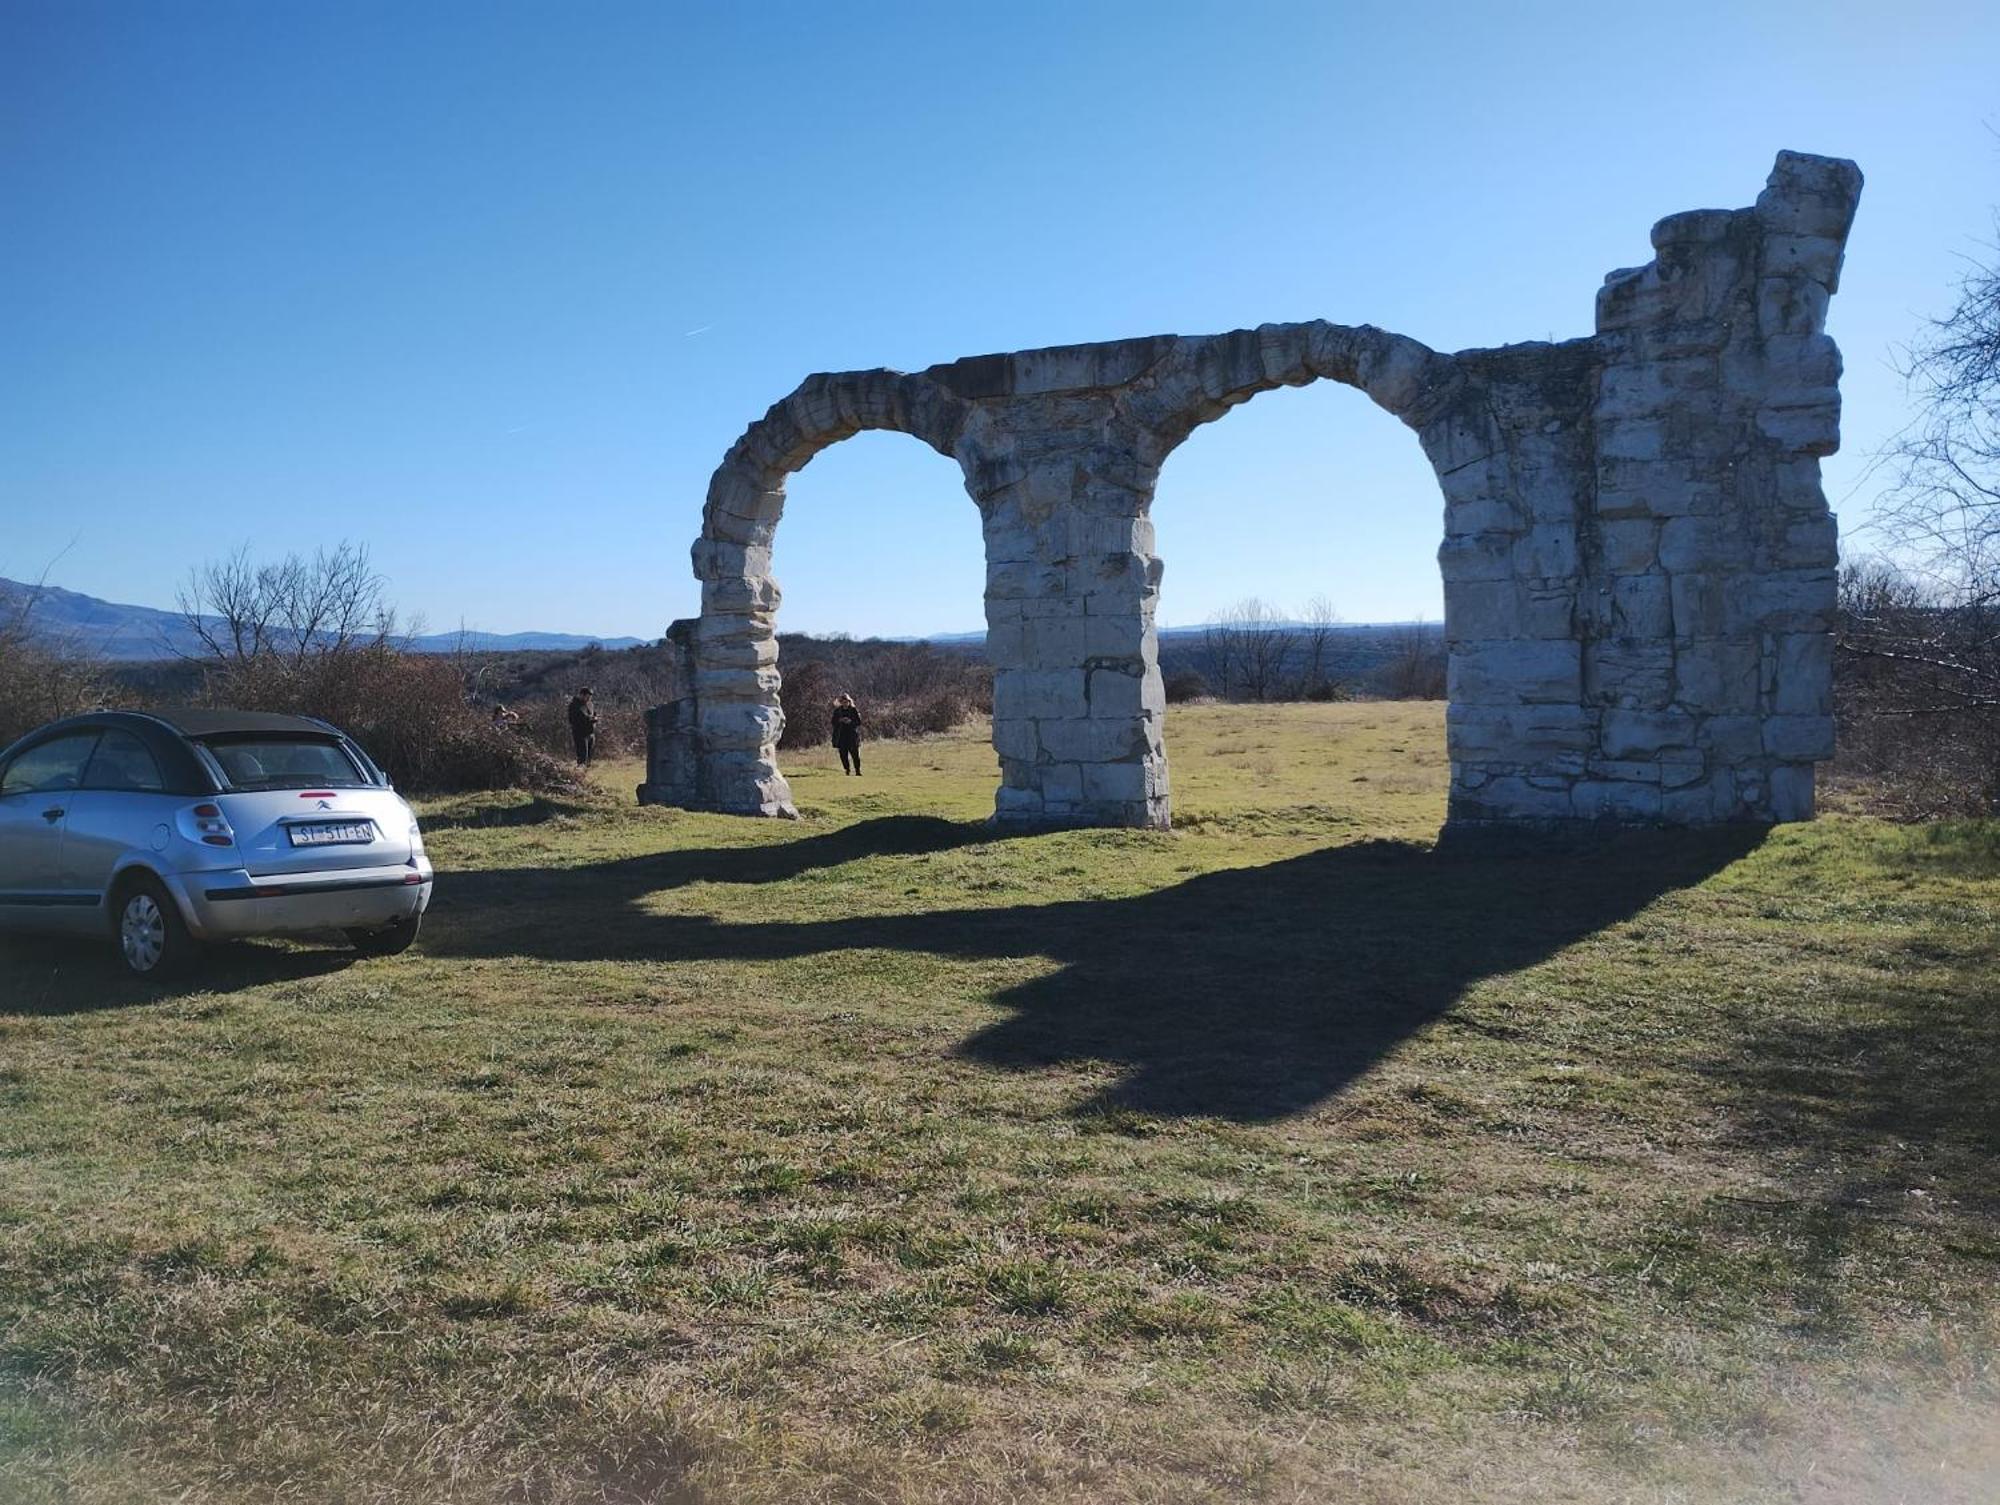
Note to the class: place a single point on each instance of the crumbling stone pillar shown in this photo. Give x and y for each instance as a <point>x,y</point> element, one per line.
<point>1709,646</point>
<point>675,766</point>
<point>1638,561</point>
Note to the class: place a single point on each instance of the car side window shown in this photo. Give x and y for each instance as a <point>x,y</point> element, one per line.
<point>122,761</point>
<point>55,765</point>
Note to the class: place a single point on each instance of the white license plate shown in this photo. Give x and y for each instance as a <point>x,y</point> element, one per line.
<point>332,833</point>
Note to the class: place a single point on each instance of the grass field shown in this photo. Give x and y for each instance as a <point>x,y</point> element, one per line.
<point>876,1158</point>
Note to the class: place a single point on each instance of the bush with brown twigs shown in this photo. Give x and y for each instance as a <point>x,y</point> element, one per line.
<point>407,709</point>
<point>40,680</point>
<point>903,689</point>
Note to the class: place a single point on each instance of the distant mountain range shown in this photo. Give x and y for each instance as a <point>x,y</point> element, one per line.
<point>109,630</point>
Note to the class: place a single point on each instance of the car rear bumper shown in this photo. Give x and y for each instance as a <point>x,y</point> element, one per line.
<point>230,904</point>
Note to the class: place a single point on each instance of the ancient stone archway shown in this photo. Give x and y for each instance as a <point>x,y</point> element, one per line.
<point>1638,559</point>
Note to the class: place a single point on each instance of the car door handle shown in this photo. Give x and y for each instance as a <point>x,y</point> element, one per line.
<point>53,815</point>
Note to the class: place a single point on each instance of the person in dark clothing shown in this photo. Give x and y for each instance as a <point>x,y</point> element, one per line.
<point>583,725</point>
<point>847,734</point>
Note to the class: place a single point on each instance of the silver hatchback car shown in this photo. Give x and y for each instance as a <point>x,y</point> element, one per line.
<point>168,829</point>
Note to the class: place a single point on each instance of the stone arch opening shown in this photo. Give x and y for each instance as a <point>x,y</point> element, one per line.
<point>1638,559</point>
<point>879,540</point>
<point>1079,724</point>
<point>716,746</point>
<point>1296,505</point>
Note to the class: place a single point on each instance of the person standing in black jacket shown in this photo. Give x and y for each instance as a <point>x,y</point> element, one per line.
<point>583,725</point>
<point>847,734</point>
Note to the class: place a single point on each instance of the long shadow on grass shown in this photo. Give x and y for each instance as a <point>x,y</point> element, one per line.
<point>56,975</point>
<point>1249,993</point>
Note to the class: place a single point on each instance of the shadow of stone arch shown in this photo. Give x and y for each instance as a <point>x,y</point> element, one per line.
<point>1247,994</point>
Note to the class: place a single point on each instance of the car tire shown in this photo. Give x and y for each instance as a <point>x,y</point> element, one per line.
<point>391,940</point>
<point>148,932</point>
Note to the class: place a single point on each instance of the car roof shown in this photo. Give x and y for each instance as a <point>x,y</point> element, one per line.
<point>223,723</point>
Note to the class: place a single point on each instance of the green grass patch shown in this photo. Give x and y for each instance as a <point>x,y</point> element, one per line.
<point>876,1156</point>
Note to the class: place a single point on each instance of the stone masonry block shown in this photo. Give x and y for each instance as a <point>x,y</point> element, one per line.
<point>1039,694</point>
<point>1121,693</point>
<point>1634,673</point>
<point>739,653</point>
<point>1507,798</point>
<point>1791,305</point>
<point>1814,256</point>
<point>1629,546</point>
<point>1641,607</point>
<point>1811,543</point>
<point>1692,544</point>
<point>1516,673</point>
<point>1547,551</point>
<point>1094,739</point>
<point>718,560</point>
<point>1518,734</point>
<point>1116,781</point>
<point>1799,739</point>
<point>1475,610</point>
<point>1803,680</point>
<point>1017,737</point>
<point>1791,786</point>
<point>1641,734</point>
<point>1477,556</point>
<point>1810,195</point>
<point>1782,601</point>
<point>1616,800</point>
<point>1061,782</point>
<point>1716,675</point>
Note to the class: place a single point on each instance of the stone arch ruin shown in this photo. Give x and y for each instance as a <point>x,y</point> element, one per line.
<point>1638,560</point>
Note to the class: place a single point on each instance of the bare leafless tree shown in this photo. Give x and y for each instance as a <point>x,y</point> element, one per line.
<point>1247,649</point>
<point>1316,632</point>
<point>292,610</point>
<point>1919,639</point>
<point>1941,512</point>
<point>1416,667</point>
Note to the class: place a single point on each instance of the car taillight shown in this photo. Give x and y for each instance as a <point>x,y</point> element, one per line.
<point>207,824</point>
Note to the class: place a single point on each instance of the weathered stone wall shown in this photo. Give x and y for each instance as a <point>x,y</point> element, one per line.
<point>1637,559</point>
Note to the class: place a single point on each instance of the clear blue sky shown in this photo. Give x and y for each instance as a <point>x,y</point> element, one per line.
<point>492,286</point>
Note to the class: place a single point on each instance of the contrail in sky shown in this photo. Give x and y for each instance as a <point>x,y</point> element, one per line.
<point>700,329</point>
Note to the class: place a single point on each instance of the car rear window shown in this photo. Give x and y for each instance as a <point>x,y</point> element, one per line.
<point>285,762</point>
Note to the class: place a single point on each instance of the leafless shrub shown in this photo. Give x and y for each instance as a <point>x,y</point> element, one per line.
<point>537,684</point>
<point>1919,663</point>
<point>1917,694</point>
<point>317,637</point>
<point>41,678</point>
<point>1247,650</point>
<point>1416,667</point>
<point>408,709</point>
<point>1316,631</point>
<point>903,689</point>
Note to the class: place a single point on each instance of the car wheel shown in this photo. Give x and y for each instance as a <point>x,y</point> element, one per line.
<point>391,940</point>
<point>149,932</point>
